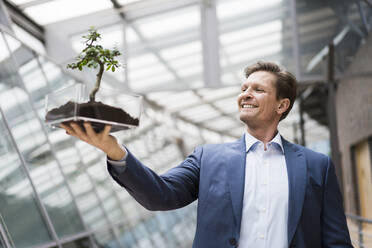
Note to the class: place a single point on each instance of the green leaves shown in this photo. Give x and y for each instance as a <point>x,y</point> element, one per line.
<point>94,55</point>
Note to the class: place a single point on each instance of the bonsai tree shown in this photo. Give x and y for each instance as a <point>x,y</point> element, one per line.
<point>93,56</point>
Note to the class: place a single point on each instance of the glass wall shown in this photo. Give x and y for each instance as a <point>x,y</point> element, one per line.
<point>21,104</point>
<point>17,197</point>
<point>59,187</point>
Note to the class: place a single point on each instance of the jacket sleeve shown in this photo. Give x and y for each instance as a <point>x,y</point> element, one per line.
<point>335,233</point>
<point>176,188</point>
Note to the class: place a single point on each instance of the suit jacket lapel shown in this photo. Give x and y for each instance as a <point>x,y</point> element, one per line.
<point>296,169</point>
<point>235,176</point>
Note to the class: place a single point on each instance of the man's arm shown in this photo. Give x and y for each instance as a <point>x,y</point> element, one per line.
<point>335,233</point>
<point>174,189</point>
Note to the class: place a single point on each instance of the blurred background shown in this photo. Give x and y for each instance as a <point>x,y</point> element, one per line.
<point>186,58</point>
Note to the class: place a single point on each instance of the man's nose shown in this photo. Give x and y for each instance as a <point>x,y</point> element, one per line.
<point>247,93</point>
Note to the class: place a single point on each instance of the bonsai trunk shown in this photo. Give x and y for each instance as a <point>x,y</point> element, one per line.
<point>93,93</point>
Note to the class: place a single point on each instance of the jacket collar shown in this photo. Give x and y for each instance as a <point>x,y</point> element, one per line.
<point>297,174</point>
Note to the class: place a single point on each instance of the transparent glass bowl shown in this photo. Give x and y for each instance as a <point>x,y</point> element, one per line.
<point>112,106</point>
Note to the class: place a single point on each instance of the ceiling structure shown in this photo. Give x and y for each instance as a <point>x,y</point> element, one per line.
<point>187,56</point>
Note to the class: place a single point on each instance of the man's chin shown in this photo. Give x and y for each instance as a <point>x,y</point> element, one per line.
<point>247,119</point>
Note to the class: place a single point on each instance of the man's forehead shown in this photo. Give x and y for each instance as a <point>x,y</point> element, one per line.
<point>260,77</point>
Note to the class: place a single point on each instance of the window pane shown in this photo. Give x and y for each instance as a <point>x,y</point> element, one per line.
<point>54,75</point>
<point>105,239</point>
<point>32,141</point>
<point>54,11</point>
<point>174,57</point>
<point>81,243</point>
<point>250,32</point>
<point>17,199</point>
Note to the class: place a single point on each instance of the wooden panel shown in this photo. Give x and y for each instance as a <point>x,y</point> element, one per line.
<point>364,175</point>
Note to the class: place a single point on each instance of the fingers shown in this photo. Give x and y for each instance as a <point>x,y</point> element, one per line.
<point>106,130</point>
<point>89,130</point>
<point>79,133</point>
<point>68,129</point>
<point>89,135</point>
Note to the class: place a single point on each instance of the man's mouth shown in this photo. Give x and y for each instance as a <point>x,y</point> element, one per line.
<point>248,106</point>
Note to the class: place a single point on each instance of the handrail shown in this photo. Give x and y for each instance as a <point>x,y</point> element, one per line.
<point>361,235</point>
<point>359,218</point>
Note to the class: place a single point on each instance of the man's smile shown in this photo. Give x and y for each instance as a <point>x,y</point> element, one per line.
<point>246,106</point>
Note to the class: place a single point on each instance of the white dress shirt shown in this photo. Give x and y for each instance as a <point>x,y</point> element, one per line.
<point>265,203</point>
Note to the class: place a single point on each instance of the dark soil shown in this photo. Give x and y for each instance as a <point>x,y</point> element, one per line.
<point>97,110</point>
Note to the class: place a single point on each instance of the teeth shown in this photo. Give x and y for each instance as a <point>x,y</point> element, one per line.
<point>248,106</point>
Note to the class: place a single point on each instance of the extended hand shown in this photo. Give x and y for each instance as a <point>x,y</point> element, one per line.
<point>103,140</point>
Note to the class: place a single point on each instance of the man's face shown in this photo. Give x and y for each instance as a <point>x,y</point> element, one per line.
<point>257,102</point>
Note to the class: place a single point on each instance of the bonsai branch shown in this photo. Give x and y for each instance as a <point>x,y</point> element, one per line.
<point>93,93</point>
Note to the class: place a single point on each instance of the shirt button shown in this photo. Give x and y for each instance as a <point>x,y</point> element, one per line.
<point>262,236</point>
<point>263,209</point>
<point>233,242</point>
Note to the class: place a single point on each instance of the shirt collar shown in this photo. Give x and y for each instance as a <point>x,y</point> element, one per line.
<point>251,142</point>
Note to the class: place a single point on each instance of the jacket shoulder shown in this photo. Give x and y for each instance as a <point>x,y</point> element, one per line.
<point>313,157</point>
<point>220,146</point>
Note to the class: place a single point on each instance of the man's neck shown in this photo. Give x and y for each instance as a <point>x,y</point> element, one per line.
<point>265,135</point>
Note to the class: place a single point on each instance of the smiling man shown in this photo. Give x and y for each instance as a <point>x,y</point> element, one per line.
<point>258,192</point>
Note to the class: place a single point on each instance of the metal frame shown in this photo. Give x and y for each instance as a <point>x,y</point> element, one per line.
<point>295,40</point>
<point>21,19</point>
<point>363,16</point>
<point>210,43</point>
<point>38,200</point>
<point>6,22</point>
<point>332,117</point>
<point>3,230</point>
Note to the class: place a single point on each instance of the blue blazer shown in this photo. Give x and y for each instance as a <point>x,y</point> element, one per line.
<point>214,174</point>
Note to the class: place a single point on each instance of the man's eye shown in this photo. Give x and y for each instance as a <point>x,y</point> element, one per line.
<point>260,90</point>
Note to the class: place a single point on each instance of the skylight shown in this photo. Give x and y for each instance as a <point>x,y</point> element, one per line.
<point>58,10</point>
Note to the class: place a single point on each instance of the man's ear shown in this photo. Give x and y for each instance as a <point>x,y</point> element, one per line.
<point>283,105</point>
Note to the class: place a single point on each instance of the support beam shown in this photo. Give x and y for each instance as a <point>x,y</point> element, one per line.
<point>210,43</point>
<point>4,17</point>
<point>295,40</point>
<point>325,51</point>
<point>369,2</point>
<point>302,123</point>
<point>25,22</point>
<point>363,16</point>
<point>4,233</point>
<point>332,118</point>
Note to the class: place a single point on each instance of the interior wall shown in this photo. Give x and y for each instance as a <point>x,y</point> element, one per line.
<point>354,115</point>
